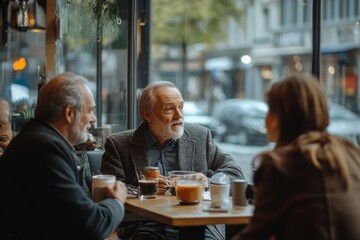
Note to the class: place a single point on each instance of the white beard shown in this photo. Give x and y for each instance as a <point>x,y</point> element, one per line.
<point>179,131</point>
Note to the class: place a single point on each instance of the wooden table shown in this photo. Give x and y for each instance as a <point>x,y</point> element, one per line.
<point>166,210</point>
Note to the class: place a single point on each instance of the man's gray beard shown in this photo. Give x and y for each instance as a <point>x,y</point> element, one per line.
<point>179,132</point>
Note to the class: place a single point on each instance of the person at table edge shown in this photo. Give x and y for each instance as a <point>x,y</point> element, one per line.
<point>6,133</point>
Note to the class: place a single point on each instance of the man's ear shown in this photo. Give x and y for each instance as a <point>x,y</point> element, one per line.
<point>69,113</point>
<point>146,114</point>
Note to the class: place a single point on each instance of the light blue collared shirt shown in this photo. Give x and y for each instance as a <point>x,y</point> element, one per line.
<point>164,158</point>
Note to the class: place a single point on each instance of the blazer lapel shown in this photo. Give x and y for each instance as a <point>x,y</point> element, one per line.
<point>138,151</point>
<point>186,149</point>
<point>138,154</point>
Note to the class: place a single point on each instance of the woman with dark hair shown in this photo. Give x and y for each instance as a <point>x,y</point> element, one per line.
<point>308,186</point>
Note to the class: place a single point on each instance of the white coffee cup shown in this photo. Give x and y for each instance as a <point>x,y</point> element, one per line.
<point>99,182</point>
<point>219,190</point>
<point>219,194</point>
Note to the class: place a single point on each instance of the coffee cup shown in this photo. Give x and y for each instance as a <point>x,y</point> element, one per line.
<point>179,175</point>
<point>99,182</point>
<point>239,192</point>
<point>219,190</point>
<point>148,188</point>
<point>189,191</point>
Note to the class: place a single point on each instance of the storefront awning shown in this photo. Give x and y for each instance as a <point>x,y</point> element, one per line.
<point>339,48</point>
<point>219,63</point>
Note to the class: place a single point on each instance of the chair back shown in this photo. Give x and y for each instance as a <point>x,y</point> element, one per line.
<point>94,158</point>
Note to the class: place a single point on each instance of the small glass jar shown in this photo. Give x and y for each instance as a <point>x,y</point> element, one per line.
<point>151,173</point>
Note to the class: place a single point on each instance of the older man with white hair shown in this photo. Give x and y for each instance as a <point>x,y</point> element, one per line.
<point>164,140</point>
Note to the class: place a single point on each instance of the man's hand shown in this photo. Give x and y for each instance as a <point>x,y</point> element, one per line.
<point>119,191</point>
<point>203,178</point>
<point>163,185</point>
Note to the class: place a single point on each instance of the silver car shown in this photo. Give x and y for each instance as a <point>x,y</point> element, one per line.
<point>244,120</point>
<point>344,123</point>
<point>195,112</point>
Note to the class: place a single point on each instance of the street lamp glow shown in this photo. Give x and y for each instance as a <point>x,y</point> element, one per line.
<point>246,59</point>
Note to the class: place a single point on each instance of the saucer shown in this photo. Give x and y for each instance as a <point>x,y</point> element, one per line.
<point>208,208</point>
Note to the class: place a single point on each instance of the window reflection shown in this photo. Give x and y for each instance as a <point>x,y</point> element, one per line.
<point>276,37</point>
<point>212,50</point>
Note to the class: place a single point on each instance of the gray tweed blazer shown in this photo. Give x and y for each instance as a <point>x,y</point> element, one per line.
<point>126,153</point>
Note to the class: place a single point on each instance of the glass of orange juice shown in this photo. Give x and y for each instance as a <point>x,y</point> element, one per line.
<point>189,191</point>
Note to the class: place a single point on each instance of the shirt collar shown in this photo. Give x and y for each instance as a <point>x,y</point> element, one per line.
<point>151,141</point>
<point>71,146</point>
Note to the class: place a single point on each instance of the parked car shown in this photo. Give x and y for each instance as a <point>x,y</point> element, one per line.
<point>344,122</point>
<point>195,112</point>
<point>244,120</point>
<point>19,93</point>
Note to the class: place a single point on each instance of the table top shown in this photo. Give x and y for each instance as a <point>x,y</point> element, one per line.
<point>167,210</point>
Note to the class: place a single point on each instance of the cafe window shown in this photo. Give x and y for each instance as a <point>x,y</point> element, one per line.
<point>93,43</point>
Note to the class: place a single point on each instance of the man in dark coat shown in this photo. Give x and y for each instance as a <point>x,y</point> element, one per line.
<point>42,196</point>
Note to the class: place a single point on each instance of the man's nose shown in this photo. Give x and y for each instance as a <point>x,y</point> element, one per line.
<point>179,113</point>
<point>93,118</point>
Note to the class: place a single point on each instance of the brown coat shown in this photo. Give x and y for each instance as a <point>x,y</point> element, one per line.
<point>294,200</point>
